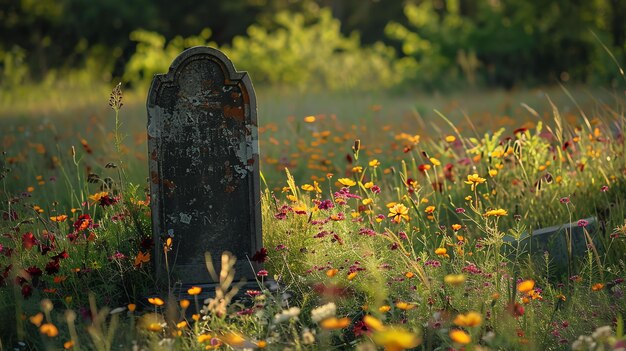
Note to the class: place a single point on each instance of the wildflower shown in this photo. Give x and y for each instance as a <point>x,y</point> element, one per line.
<point>261,344</point>
<point>260,256</point>
<point>374,163</point>
<point>435,161</point>
<point>333,323</point>
<point>430,209</point>
<point>450,138</point>
<point>357,169</point>
<point>526,286</point>
<point>384,308</point>
<point>405,306</point>
<point>29,240</point>
<point>131,307</point>
<point>346,182</point>
<point>564,200</point>
<point>156,301</point>
<point>262,273</point>
<point>309,119</point>
<point>184,303</point>
<point>49,329</point>
<point>181,325</point>
<point>471,319</point>
<point>493,173</point>
<point>454,279</point>
<point>597,287</point>
<point>194,290</point>
<point>36,319</point>
<point>474,180</point>
<point>496,213</point>
<point>373,323</point>
<point>456,227</point>
<point>398,212</point>
<point>441,251</point>
<point>68,344</point>
<point>352,275</point>
<point>368,185</point>
<point>141,258</point>
<point>202,338</point>
<point>393,339</point>
<point>326,311</point>
<point>59,218</point>
<point>460,337</point>
<point>583,223</point>
<point>331,272</point>
<point>286,315</point>
<point>604,188</point>
<point>367,201</point>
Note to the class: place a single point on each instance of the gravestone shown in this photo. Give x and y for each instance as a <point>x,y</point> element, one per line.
<point>552,240</point>
<point>204,165</point>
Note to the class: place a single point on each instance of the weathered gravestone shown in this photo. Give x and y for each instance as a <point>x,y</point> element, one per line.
<point>204,170</point>
<point>552,240</point>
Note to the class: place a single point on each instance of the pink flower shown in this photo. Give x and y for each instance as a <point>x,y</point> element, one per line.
<point>262,273</point>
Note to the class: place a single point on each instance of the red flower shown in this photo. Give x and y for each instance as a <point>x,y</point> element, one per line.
<point>29,240</point>
<point>516,309</point>
<point>62,255</point>
<point>27,291</point>
<point>34,271</point>
<point>260,256</point>
<point>361,328</point>
<point>53,267</point>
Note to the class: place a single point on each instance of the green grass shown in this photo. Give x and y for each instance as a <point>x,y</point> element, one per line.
<point>382,246</point>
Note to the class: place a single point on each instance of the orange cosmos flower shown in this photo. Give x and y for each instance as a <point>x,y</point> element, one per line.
<point>460,337</point>
<point>156,301</point>
<point>194,290</point>
<point>526,286</point>
<point>333,323</point>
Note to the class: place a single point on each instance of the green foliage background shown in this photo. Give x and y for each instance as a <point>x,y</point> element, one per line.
<point>328,44</point>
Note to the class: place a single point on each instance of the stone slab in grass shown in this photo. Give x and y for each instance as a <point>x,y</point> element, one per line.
<point>204,165</point>
<point>553,241</point>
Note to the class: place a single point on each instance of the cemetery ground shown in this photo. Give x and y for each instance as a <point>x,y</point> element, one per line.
<point>392,228</point>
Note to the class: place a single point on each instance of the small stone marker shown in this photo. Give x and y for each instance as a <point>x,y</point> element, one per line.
<point>552,240</point>
<point>204,169</point>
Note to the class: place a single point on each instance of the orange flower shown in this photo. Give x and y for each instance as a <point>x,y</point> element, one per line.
<point>194,290</point>
<point>352,275</point>
<point>156,301</point>
<point>142,258</point>
<point>396,339</point>
<point>471,319</point>
<point>456,227</point>
<point>68,344</point>
<point>59,218</point>
<point>405,306</point>
<point>331,272</point>
<point>597,287</point>
<point>184,304</point>
<point>36,319</point>
<point>333,323</point>
<point>526,286</point>
<point>373,323</point>
<point>430,209</point>
<point>460,337</point>
<point>49,329</point>
<point>384,308</point>
<point>442,251</point>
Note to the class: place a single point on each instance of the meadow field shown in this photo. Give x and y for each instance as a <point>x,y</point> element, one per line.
<point>390,221</point>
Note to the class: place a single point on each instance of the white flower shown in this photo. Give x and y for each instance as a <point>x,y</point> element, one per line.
<point>286,315</point>
<point>323,312</point>
<point>602,333</point>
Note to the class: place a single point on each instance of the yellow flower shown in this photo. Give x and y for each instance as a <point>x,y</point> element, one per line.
<point>374,163</point>
<point>373,323</point>
<point>331,272</point>
<point>442,251</point>
<point>346,182</point>
<point>261,344</point>
<point>496,213</point>
<point>184,304</point>
<point>156,301</point>
<point>405,306</point>
<point>384,308</point>
<point>309,119</point>
<point>308,187</point>
<point>194,290</point>
<point>526,286</point>
<point>398,212</point>
<point>181,325</point>
<point>395,339</point>
<point>97,196</point>
<point>493,172</point>
<point>357,169</point>
<point>202,338</point>
<point>456,227</point>
<point>333,323</point>
<point>471,319</point>
<point>352,275</point>
<point>430,209</point>
<point>435,161</point>
<point>60,218</point>
<point>460,337</point>
<point>368,185</point>
<point>474,180</point>
<point>49,329</point>
<point>450,138</point>
<point>367,201</point>
<point>454,279</point>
